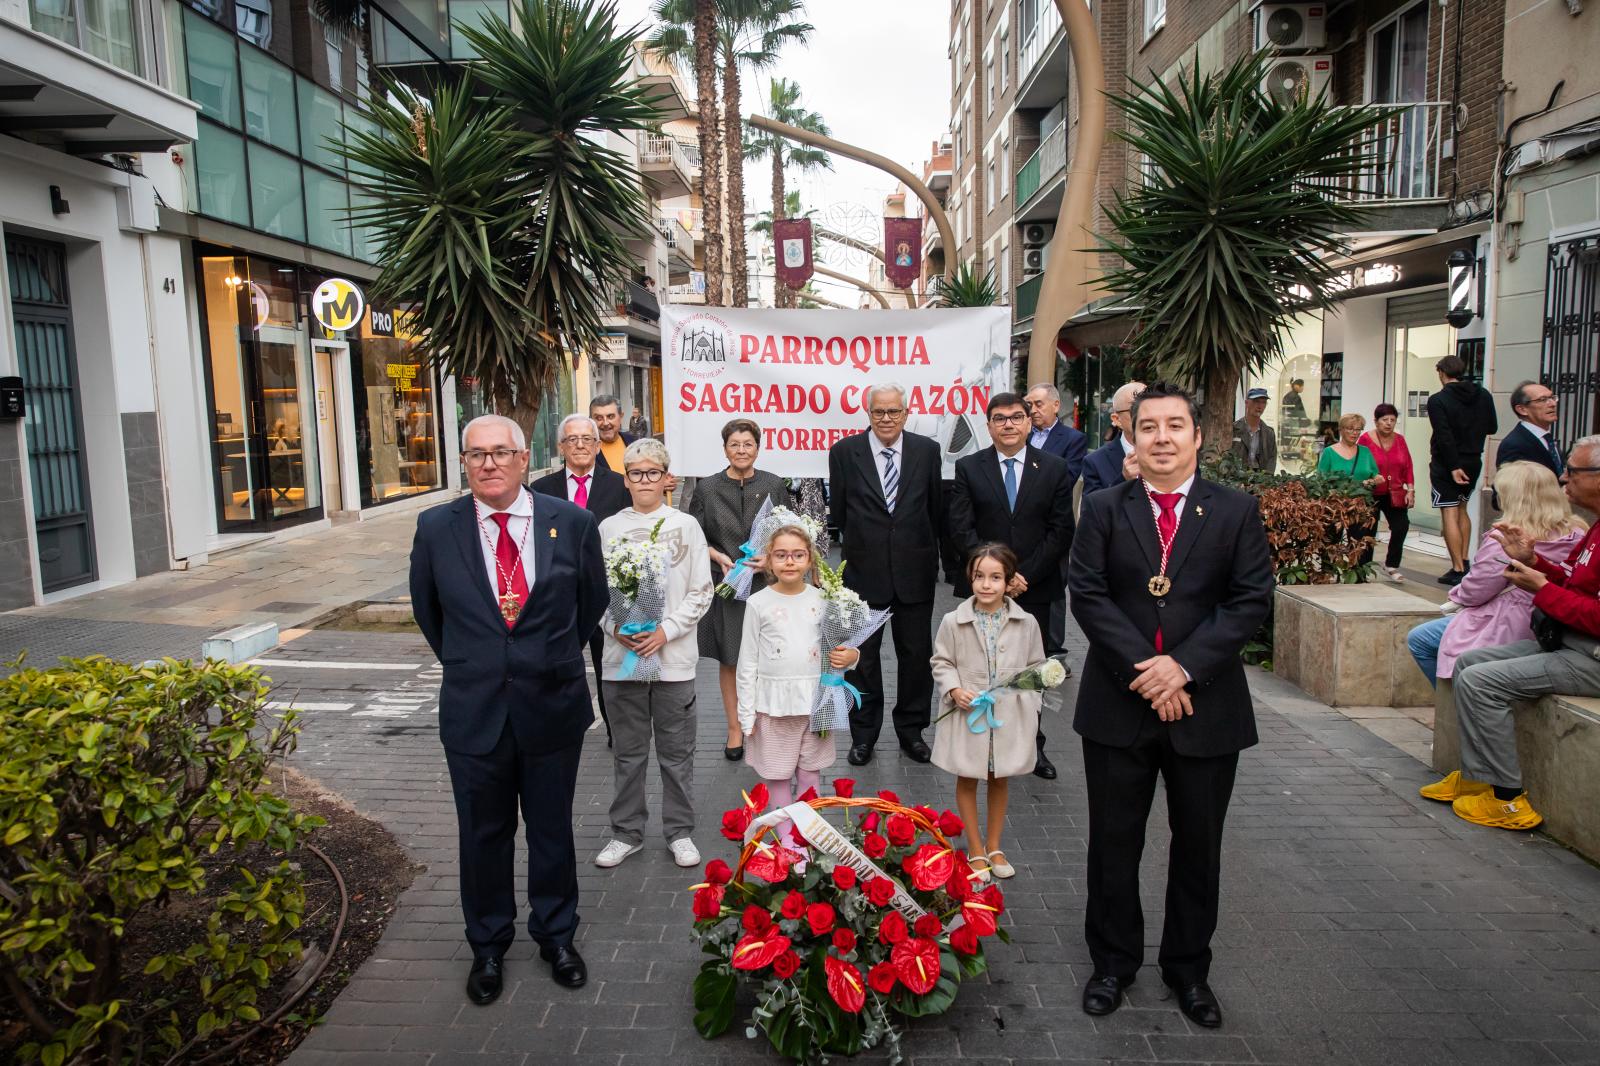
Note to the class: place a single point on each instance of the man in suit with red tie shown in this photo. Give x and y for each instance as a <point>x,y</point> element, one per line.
<point>1170,576</point>
<point>507,586</point>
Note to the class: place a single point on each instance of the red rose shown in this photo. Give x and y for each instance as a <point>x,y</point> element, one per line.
<point>885,794</point>
<point>757,952</point>
<point>708,902</point>
<point>892,930</point>
<point>881,977</point>
<point>902,830</point>
<point>844,877</point>
<point>735,822</point>
<point>756,919</point>
<point>718,873</point>
<point>880,890</point>
<point>844,984</point>
<point>930,867</point>
<point>950,825</point>
<point>927,812</point>
<point>844,787</point>
<point>964,940</point>
<point>928,925</point>
<point>756,799</point>
<point>916,963</point>
<point>870,822</point>
<point>785,965</point>
<point>820,917</point>
<point>807,796</point>
<point>794,905</point>
<point>844,940</point>
<point>875,846</point>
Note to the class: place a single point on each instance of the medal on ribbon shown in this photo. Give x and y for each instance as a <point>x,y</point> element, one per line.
<point>1160,584</point>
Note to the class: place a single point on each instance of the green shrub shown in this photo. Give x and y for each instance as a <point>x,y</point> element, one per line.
<point>1318,527</point>
<point>116,782</point>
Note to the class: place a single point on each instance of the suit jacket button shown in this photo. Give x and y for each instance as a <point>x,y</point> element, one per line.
<point>1161,603</point>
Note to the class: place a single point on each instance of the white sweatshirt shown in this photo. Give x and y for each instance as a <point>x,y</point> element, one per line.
<point>689,589</point>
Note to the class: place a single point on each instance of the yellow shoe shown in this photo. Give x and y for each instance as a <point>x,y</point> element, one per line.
<point>1484,809</point>
<point>1452,787</point>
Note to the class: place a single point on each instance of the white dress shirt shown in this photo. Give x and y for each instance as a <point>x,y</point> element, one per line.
<point>1183,497</point>
<point>898,447</point>
<point>521,513</point>
<point>1127,445</point>
<point>1039,436</point>
<point>572,483</point>
<point>1022,454</point>
<point>1543,435</point>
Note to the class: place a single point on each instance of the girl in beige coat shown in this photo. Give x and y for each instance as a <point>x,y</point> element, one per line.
<point>984,641</point>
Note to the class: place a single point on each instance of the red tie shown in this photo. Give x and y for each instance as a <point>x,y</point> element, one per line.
<point>581,497</point>
<point>510,559</point>
<point>1167,526</point>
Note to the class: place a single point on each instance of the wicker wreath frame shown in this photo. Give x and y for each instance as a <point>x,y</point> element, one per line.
<point>822,803</point>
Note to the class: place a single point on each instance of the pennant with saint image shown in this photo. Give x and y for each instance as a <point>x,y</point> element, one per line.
<point>792,236</point>
<point>902,251</point>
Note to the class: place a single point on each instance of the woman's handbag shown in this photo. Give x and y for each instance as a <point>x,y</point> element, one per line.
<point>1547,631</point>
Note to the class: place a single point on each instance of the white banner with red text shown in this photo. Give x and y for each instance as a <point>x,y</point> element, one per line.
<point>804,376</point>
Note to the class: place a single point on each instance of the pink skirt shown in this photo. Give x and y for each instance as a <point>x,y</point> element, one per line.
<point>780,746</point>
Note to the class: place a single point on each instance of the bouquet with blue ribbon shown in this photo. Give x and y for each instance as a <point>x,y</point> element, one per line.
<point>636,579</point>
<point>739,582</point>
<point>1039,678</point>
<point>846,622</point>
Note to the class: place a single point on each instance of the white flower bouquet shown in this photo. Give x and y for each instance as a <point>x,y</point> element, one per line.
<point>1040,677</point>
<point>636,578</point>
<point>739,581</point>
<point>846,622</point>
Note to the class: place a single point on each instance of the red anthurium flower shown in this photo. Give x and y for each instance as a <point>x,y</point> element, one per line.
<point>757,951</point>
<point>820,917</point>
<point>994,898</point>
<point>844,940</point>
<point>959,884</point>
<point>870,822</point>
<point>930,866</point>
<point>892,930</point>
<point>785,965</point>
<point>885,794</point>
<point>756,799</point>
<point>718,873</point>
<point>927,812</point>
<point>708,902</point>
<point>771,863</point>
<point>950,825</point>
<point>735,822</point>
<point>808,795</point>
<point>844,787</point>
<point>845,984</point>
<point>794,905</point>
<point>980,917</point>
<point>756,919</point>
<point>902,830</point>
<point>880,890</point>
<point>916,963</point>
<point>964,940</point>
<point>928,925</point>
<point>882,978</point>
<point>844,877</point>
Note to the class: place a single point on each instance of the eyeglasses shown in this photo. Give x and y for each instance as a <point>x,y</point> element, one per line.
<point>790,557</point>
<point>1009,420</point>
<point>639,477</point>
<point>1539,399</point>
<point>477,456</point>
<point>1583,469</point>
<point>1120,410</point>
<point>574,442</point>
<point>882,413</point>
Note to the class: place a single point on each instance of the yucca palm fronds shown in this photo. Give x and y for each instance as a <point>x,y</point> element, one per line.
<point>967,288</point>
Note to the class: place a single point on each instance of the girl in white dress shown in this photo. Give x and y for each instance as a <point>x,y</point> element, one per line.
<point>780,662</point>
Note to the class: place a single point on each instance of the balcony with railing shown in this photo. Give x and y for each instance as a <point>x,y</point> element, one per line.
<point>679,242</point>
<point>1026,301</point>
<point>1042,49</point>
<point>1044,172</point>
<point>1403,159</point>
<point>665,165</point>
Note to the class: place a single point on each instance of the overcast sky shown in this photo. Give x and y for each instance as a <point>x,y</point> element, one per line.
<point>876,71</point>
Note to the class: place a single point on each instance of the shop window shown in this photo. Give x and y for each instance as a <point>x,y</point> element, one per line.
<point>219,172</point>
<point>213,70</point>
<point>1295,411</point>
<point>396,413</point>
<point>321,124</point>
<point>327,211</point>
<point>269,113</point>
<point>276,199</point>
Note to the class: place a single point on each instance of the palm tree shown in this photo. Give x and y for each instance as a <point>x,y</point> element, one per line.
<point>1229,236</point>
<point>497,219</point>
<point>967,288</point>
<point>791,209</point>
<point>783,105</point>
<point>711,134</point>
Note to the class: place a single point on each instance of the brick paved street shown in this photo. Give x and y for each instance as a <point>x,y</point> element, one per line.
<point>1360,924</point>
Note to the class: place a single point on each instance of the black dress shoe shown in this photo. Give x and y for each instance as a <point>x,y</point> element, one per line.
<point>917,751</point>
<point>566,965</point>
<point>485,979</point>
<point>733,754</point>
<point>1102,995</point>
<point>1199,1004</point>
<point>1044,768</point>
<point>860,754</point>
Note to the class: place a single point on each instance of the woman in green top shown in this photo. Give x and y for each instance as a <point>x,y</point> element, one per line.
<point>1348,458</point>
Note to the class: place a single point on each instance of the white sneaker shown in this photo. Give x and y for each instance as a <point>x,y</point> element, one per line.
<point>614,852</point>
<point>684,853</point>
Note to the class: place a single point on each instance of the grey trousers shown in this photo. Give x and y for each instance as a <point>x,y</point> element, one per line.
<point>1489,680</point>
<point>637,710</point>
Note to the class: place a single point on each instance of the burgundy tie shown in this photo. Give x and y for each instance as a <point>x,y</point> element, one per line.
<point>509,558</point>
<point>1167,527</point>
<point>581,497</point>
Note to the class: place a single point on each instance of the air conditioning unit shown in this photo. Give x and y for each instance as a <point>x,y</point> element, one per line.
<point>1037,234</point>
<point>1291,26</point>
<point>1033,260</point>
<point>1292,77</point>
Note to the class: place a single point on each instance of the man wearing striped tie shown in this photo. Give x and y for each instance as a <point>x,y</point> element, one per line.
<point>885,503</point>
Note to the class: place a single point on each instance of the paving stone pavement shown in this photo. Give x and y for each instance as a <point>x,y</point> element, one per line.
<point>1360,924</point>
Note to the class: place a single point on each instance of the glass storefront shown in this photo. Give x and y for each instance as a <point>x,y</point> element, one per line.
<point>396,410</point>
<point>1418,337</point>
<point>555,405</point>
<point>1296,411</point>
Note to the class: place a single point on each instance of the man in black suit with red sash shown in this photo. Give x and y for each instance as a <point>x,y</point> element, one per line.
<point>1170,576</point>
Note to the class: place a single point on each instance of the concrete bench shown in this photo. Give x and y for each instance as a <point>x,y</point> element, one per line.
<point>1345,645</point>
<point>1558,742</point>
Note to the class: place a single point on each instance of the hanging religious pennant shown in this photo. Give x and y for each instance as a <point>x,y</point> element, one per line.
<point>793,238</point>
<point>902,251</point>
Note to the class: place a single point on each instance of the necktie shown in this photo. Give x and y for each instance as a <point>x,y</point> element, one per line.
<point>1011,483</point>
<point>1167,527</point>
<point>1555,452</point>
<point>581,497</point>
<point>891,479</point>
<point>511,577</point>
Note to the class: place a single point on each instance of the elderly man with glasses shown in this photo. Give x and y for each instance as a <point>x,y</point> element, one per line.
<point>507,587</point>
<point>597,489</point>
<point>1113,462</point>
<point>1531,441</point>
<point>885,501</point>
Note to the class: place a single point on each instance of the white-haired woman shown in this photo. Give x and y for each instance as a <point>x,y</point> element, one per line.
<point>663,708</point>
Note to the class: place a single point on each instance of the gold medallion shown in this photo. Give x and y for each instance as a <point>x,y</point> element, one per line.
<point>510,606</point>
<point>1159,585</point>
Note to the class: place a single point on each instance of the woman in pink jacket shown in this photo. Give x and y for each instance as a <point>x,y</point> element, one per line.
<point>1492,610</point>
<point>1395,494</point>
